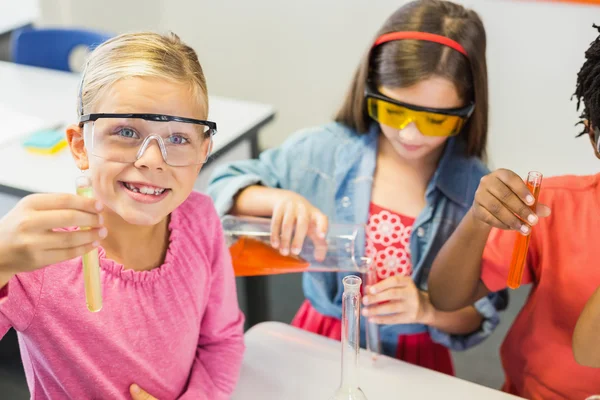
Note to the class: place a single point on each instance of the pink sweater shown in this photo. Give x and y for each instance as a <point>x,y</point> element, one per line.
<point>175,330</point>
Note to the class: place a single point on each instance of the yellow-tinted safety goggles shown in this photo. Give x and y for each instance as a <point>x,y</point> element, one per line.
<point>429,121</point>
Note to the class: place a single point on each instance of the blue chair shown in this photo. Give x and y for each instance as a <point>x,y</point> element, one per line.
<point>51,48</point>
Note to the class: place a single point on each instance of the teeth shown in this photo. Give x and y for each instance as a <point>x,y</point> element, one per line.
<point>144,189</point>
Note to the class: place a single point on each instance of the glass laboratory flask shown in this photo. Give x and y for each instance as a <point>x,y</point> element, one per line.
<point>349,389</point>
<point>249,242</point>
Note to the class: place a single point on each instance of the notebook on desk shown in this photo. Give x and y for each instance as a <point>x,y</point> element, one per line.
<point>47,141</point>
<point>15,125</point>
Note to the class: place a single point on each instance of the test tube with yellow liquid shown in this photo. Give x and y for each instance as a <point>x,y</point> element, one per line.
<point>91,265</point>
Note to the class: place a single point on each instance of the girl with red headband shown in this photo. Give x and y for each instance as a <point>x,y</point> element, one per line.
<point>403,157</point>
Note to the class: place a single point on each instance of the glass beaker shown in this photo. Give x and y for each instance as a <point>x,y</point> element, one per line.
<point>249,242</point>
<point>349,388</point>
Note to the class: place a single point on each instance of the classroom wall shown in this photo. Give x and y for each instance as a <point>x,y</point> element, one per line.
<point>300,56</point>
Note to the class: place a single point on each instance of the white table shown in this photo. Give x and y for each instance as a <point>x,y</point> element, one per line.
<point>14,15</point>
<point>52,97</point>
<point>283,362</point>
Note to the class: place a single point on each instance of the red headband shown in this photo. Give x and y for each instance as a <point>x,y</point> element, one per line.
<point>430,37</point>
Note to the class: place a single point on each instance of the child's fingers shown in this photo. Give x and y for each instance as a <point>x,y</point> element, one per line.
<point>515,183</point>
<point>302,223</point>
<point>542,210</point>
<point>319,235</point>
<point>393,319</point>
<point>493,212</point>
<point>287,227</point>
<point>63,201</point>
<point>322,224</point>
<point>513,203</point>
<point>482,214</point>
<point>320,252</point>
<point>320,246</point>
<point>392,294</point>
<point>393,307</point>
<point>276,226</point>
<point>394,281</point>
<point>52,219</point>
<point>66,240</point>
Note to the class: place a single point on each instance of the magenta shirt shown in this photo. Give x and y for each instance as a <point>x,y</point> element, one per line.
<point>175,330</point>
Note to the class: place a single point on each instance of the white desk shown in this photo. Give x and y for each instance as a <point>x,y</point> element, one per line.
<point>52,96</point>
<point>14,15</point>
<point>283,362</point>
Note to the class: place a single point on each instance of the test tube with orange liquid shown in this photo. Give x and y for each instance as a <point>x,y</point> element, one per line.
<point>91,264</point>
<point>515,274</point>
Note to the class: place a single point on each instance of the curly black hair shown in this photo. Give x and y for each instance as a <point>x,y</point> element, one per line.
<point>587,90</point>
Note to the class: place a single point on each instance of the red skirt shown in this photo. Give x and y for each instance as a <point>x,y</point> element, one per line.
<point>417,349</point>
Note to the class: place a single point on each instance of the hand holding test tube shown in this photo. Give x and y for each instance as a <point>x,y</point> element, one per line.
<point>91,265</point>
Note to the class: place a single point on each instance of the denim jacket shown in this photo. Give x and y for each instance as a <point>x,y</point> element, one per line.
<point>332,167</point>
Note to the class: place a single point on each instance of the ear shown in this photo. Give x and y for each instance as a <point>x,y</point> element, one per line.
<point>75,140</point>
<point>590,130</point>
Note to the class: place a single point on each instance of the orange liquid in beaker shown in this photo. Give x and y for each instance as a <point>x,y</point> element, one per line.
<point>515,274</point>
<point>251,257</point>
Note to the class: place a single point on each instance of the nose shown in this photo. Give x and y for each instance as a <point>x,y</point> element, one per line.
<point>150,155</point>
<point>409,132</point>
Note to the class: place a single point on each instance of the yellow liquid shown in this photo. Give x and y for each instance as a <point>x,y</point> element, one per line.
<point>91,268</point>
<point>91,277</point>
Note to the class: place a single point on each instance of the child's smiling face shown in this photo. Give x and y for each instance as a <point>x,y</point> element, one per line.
<point>146,191</point>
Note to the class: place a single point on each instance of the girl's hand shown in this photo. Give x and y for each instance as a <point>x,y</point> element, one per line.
<point>294,215</point>
<point>28,239</point>
<point>503,201</point>
<point>403,302</point>
<point>137,393</point>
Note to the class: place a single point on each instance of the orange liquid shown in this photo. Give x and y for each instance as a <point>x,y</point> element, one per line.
<point>251,257</point>
<point>515,274</point>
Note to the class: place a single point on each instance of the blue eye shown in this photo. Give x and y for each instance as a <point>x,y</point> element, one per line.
<point>128,133</point>
<point>177,139</point>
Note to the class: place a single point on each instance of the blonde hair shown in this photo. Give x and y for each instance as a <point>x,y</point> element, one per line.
<point>141,54</point>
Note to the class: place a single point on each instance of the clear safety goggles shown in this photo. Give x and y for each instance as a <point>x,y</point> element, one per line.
<point>125,137</point>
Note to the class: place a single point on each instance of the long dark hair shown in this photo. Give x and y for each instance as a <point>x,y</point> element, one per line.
<point>403,63</point>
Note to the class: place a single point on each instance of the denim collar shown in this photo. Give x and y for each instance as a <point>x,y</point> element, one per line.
<point>356,159</point>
